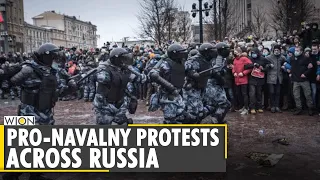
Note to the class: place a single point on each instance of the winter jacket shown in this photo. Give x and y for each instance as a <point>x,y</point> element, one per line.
<point>299,66</point>
<point>238,67</point>
<point>228,76</point>
<point>306,36</point>
<point>313,74</point>
<point>262,62</point>
<point>275,73</point>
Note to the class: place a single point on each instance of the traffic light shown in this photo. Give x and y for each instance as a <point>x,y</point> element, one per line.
<point>194,6</point>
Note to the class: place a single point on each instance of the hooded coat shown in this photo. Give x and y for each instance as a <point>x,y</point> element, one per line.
<point>315,32</point>
<point>238,67</point>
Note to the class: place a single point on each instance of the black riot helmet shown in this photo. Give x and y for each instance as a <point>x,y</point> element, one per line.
<point>223,49</point>
<point>208,51</point>
<point>193,52</point>
<point>120,57</point>
<point>47,53</point>
<point>177,53</point>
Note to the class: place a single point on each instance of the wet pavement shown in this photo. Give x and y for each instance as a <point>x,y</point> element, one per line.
<point>250,133</point>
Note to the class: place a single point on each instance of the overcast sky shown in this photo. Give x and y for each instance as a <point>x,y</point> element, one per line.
<point>115,19</point>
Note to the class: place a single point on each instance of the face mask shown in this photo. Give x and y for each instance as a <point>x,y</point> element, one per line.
<point>254,56</point>
<point>315,52</point>
<point>265,54</point>
<point>297,53</point>
<point>277,53</point>
<point>55,65</point>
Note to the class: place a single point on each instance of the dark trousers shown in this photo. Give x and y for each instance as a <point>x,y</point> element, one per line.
<point>306,88</point>
<point>287,91</point>
<point>317,105</point>
<point>274,92</point>
<point>229,92</point>
<point>242,90</point>
<point>265,96</point>
<point>255,94</point>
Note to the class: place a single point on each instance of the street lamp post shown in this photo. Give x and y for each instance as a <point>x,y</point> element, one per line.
<point>200,10</point>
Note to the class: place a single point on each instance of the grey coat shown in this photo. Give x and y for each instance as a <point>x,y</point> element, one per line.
<point>275,72</point>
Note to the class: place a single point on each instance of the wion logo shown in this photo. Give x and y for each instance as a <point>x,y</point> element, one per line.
<point>19,120</point>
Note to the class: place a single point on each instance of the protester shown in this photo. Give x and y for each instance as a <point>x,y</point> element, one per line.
<point>275,77</point>
<point>301,67</point>
<point>241,78</point>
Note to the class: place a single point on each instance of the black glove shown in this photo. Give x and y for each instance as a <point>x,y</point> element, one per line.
<point>195,75</point>
<point>219,78</point>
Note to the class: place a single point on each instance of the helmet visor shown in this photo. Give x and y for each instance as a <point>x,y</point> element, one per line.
<point>127,59</point>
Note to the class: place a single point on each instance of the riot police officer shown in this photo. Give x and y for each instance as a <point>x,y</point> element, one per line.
<point>38,92</point>
<point>193,52</point>
<point>197,79</point>
<point>215,98</point>
<point>110,102</point>
<point>170,75</point>
<point>89,84</point>
<point>39,75</point>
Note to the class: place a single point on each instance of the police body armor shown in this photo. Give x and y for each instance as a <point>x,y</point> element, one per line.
<point>202,81</point>
<point>43,95</point>
<point>177,74</point>
<point>115,91</point>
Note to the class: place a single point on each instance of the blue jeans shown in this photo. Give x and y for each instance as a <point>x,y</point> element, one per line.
<point>229,92</point>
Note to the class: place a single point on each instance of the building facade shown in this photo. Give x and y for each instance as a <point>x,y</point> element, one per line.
<point>246,12</point>
<point>131,41</point>
<point>207,33</point>
<point>35,36</point>
<point>15,22</point>
<point>77,33</point>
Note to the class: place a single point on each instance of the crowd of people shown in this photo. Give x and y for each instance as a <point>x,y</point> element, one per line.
<point>257,78</point>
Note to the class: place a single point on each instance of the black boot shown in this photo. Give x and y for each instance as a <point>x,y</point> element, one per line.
<point>310,112</point>
<point>298,112</point>
<point>285,103</point>
<point>273,109</point>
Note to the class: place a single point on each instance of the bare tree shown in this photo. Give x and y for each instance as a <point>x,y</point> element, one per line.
<point>259,24</point>
<point>228,20</point>
<point>154,17</point>
<point>183,26</point>
<point>287,15</point>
